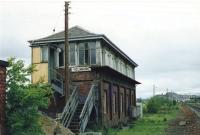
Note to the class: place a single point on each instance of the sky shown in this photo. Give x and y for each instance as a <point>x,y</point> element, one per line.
<point>161,36</point>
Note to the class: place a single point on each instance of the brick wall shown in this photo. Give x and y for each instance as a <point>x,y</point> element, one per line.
<point>2,96</point>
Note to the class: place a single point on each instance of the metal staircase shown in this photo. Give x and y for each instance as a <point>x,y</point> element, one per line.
<point>76,115</point>
<point>57,81</point>
<point>70,108</point>
<point>88,106</point>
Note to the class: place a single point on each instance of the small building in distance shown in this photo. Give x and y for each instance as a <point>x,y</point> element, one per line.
<point>102,78</point>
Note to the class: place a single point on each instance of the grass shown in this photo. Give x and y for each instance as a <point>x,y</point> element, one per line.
<point>150,124</point>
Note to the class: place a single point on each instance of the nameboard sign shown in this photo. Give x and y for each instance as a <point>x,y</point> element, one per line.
<point>80,69</point>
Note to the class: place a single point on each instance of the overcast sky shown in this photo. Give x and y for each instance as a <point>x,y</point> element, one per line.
<point>161,36</point>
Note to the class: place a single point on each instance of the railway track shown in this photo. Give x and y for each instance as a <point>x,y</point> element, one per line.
<point>195,108</point>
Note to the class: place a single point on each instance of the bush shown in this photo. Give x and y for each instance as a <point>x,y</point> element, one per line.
<point>157,103</point>
<point>23,100</point>
<point>152,106</point>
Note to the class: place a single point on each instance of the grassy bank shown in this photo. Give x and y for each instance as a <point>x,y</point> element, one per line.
<point>151,124</point>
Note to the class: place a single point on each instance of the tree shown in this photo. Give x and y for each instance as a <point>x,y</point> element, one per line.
<point>158,103</point>
<point>24,100</point>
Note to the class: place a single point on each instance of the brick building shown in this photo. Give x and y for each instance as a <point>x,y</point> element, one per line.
<point>3,66</point>
<point>102,78</point>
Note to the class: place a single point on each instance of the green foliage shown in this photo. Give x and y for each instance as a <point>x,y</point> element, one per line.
<point>158,103</point>
<point>24,99</point>
<point>150,124</point>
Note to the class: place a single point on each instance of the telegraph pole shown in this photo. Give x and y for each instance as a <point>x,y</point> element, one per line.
<point>66,85</point>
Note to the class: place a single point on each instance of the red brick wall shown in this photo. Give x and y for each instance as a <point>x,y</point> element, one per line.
<point>2,99</point>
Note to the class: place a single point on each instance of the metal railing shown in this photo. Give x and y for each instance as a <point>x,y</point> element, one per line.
<point>57,81</point>
<point>70,108</point>
<point>88,106</point>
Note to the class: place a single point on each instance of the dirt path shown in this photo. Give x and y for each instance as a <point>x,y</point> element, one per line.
<point>186,123</point>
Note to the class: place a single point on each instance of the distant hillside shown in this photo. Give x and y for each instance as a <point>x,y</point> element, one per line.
<point>177,97</point>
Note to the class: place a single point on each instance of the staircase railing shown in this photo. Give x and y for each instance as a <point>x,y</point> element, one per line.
<point>57,80</point>
<point>70,108</point>
<point>88,106</point>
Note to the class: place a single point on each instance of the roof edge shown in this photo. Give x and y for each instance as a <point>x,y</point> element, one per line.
<point>3,63</point>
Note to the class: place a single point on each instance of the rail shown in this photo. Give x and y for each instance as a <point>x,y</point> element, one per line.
<point>195,108</point>
<point>88,106</point>
<point>70,108</point>
<point>57,81</point>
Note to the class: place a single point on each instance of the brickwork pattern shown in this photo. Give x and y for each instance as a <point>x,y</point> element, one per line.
<point>2,99</point>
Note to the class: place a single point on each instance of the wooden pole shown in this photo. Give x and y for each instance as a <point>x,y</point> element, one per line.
<point>66,86</point>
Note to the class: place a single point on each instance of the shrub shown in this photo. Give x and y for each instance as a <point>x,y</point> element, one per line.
<point>158,103</point>
<point>24,99</point>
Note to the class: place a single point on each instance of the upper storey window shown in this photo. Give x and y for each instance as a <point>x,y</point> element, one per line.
<point>44,54</point>
<point>84,53</point>
<point>59,57</point>
<point>72,53</point>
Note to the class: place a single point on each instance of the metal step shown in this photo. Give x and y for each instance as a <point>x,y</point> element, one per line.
<point>74,125</point>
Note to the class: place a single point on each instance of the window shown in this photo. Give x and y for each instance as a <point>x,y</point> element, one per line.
<point>72,54</point>
<point>61,58</point>
<point>106,58</point>
<point>81,54</point>
<point>110,60</point>
<point>114,102</point>
<point>59,54</point>
<point>114,62</point>
<point>105,102</point>
<point>121,66</point>
<point>127,104</point>
<point>92,46</point>
<point>132,99</point>
<point>133,73</point>
<point>98,53</point>
<point>44,54</point>
<point>117,64</point>
<point>87,53</point>
<point>121,102</point>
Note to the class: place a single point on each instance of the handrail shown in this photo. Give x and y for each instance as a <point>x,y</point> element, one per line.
<point>57,80</point>
<point>88,106</point>
<point>70,108</point>
<point>57,73</point>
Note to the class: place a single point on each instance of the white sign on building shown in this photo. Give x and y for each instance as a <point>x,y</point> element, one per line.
<point>80,69</point>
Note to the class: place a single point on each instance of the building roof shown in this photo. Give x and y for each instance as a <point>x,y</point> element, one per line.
<point>3,63</point>
<point>78,33</point>
<point>74,32</point>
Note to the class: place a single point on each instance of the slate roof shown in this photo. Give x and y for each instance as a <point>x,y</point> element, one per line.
<point>74,32</point>
<point>78,33</point>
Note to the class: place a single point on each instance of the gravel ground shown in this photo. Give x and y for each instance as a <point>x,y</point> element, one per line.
<point>186,123</point>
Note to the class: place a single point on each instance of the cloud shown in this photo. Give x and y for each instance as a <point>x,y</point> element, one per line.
<point>161,36</point>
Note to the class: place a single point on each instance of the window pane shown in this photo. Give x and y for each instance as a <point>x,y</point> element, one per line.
<point>98,56</point>
<point>44,54</point>
<point>121,103</point>
<point>81,54</point>
<point>61,59</point>
<point>87,56</point>
<point>92,46</point>
<point>72,54</point>
<point>105,102</point>
<point>93,56</point>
